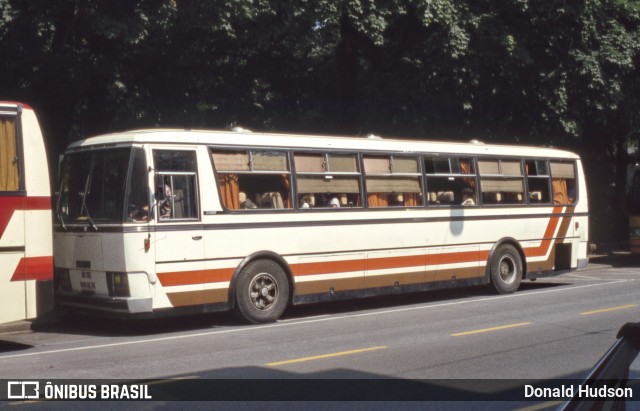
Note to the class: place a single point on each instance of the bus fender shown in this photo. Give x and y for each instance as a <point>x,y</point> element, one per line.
<point>505,240</point>
<point>259,255</point>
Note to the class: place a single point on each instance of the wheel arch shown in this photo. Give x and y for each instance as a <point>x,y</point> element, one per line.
<point>260,255</point>
<point>506,240</point>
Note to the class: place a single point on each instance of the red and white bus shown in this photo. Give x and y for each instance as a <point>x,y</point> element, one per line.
<point>26,256</point>
<point>157,221</point>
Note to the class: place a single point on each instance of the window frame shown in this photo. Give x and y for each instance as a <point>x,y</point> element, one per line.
<point>424,177</point>
<point>162,173</point>
<point>251,170</point>
<point>538,177</point>
<point>391,174</point>
<point>504,177</point>
<point>328,174</point>
<point>450,175</point>
<point>576,183</point>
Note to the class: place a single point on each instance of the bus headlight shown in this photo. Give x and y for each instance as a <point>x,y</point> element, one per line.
<point>118,284</point>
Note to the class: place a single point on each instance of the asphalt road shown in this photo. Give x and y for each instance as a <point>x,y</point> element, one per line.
<point>554,328</point>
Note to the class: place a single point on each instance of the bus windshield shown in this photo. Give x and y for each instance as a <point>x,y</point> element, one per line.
<point>96,187</point>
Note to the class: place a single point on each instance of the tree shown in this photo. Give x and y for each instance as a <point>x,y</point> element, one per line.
<point>519,71</point>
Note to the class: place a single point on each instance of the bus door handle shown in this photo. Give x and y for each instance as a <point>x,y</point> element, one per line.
<point>196,237</point>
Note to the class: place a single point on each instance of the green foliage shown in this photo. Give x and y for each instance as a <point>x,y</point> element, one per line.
<point>532,71</point>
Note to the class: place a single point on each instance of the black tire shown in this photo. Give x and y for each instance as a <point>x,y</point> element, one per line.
<point>506,269</point>
<point>262,292</point>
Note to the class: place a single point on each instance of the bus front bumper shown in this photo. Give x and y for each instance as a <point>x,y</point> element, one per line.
<point>115,305</point>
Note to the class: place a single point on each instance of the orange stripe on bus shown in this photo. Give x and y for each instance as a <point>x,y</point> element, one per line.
<point>456,258</point>
<point>545,245</point>
<point>329,267</point>
<point>396,262</point>
<point>195,277</point>
<point>334,267</point>
<point>346,266</point>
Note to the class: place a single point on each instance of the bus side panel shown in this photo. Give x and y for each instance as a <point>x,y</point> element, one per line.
<point>25,227</point>
<point>38,260</point>
<point>581,222</point>
<point>12,245</point>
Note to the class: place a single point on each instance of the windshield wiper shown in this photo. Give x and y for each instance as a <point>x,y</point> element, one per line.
<point>84,203</point>
<point>59,214</point>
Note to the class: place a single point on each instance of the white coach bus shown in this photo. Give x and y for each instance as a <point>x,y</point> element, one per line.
<point>160,220</point>
<point>26,255</point>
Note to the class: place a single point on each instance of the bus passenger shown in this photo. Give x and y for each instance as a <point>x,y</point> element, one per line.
<point>305,202</point>
<point>165,204</point>
<point>467,197</point>
<point>245,203</point>
<point>140,213</point>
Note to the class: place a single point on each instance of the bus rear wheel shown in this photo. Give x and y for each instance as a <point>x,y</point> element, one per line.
<point>506,269</point>
<point>262,292</point>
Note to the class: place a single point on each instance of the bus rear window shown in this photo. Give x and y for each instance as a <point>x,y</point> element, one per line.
<point>9,171</point>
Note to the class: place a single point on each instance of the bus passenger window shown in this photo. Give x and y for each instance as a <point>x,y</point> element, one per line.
<point>448,179</point>
<point>393,181</point>
<point>538,181</point>
<point>250,180</point>
<point>327,180</point>
<point>501,181</point>
<point>563,181</point>
<point>176,184</point>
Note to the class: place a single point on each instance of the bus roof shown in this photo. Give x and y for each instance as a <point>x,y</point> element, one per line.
<point>14,104</point>
<point>241,138</point>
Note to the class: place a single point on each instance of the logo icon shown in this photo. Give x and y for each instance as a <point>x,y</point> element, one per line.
<point>23,390</point>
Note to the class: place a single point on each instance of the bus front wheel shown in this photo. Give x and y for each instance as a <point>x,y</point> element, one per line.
<point>506,269</point>
<point>262,292</point>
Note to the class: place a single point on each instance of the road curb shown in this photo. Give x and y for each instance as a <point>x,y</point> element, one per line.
<point>23,326</point>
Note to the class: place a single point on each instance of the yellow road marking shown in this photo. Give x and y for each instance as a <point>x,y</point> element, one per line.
<point>320,357</point>
<point>604,310</point>
<point>542,406</point>
<point>168,381</point>
<point>484,330</point>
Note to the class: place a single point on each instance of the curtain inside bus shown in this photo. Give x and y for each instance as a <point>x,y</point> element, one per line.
<point>560,195</point>
<point>411,199</point>
<point>378,199</point>
<point>230,190</point>
<point>9,176</point>
<point>563,182</point>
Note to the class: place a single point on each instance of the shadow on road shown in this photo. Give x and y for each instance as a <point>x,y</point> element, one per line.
<point>617,259</point>
<point>78,324</point>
